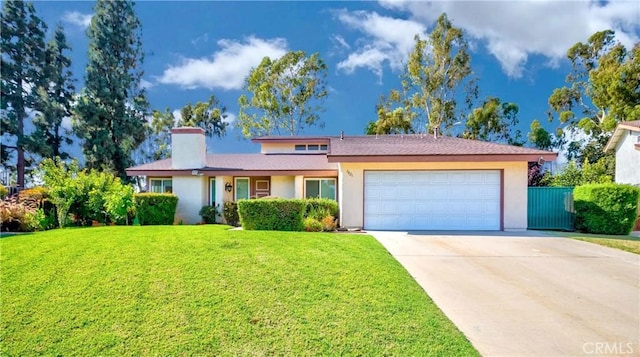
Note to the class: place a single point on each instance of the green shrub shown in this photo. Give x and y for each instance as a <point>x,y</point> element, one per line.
<point>319,208</point>
<point>209,214</point>
<point>230,213</point>
<point>312,225</point>
<point>155,208</point>
<point>272,214</point>
<point>86,195</point>
<point>3,192</point>
<point>118,203</point>
<point>606,208</point>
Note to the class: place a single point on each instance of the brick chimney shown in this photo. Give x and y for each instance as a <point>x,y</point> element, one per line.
<point>188,148</point>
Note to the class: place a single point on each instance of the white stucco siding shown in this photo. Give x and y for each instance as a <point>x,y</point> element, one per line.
<point>628,160</point>
<point>351,188</point>
<point>192,192</point>
<point>283,186</point>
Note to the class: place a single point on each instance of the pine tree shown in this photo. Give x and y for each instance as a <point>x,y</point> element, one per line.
<point>56,96</point>
<point>110,113</point>
<point>22,47</point>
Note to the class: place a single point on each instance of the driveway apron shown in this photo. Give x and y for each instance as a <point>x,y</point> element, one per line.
<point>527,294</point>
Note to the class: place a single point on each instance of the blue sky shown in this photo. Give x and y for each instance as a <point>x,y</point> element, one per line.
<point>195,49</point>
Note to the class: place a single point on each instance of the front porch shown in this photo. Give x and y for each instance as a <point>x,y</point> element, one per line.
<point>197,191</point>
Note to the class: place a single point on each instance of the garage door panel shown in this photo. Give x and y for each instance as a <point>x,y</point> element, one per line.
<point>432,200</point>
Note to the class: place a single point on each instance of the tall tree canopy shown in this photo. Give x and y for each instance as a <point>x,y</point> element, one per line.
<point>22,47</point>
<point>157,144</point>
<point>603,88</point>
<point>494,121</point>
<point>286,95</point>
<point>392,119</point>
<point>438,88</point>
<point>111,109</point>
<point>56,96</point>
<point>210,116</point>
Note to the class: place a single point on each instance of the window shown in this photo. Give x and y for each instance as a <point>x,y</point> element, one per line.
<point>310,147</point>
<point>242,188</point>
<point>212,192</point>
<point>161,185</point>
<point>322,188</point>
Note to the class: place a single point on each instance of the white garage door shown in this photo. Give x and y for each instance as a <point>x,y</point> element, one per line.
<point>432,200</point>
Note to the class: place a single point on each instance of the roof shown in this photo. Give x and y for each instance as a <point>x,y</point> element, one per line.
<point>239,164</point>
<point>621,129</point>
<point>365,148</point>
<point>427,148</point>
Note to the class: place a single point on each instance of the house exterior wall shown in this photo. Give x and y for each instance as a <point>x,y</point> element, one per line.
<point>628,160</point>
<point>283,186</point>
<point>222,196</point>
<point>277,148</point>
<point>192,192</point>
<point>299,186</point>
<point>288,148</point>
<point>351,187</point>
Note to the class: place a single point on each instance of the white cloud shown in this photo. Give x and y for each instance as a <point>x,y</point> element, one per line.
<point>514,30</point>
<point>230,119</point>
<point>177,116</point>
<point>145,84</point>
<point>202,39</point>
<point>340,41</point>
<point>387,39</point>
<point>226,68</point>
<point>77,18</point>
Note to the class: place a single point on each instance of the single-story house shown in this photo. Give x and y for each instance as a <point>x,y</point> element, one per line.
<point>381,182</point>
<point>625,142</point>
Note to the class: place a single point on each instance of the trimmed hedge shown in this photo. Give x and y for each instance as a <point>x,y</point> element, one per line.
<point>272,215</point>
<point>155,208</point>
<point>606,208</point>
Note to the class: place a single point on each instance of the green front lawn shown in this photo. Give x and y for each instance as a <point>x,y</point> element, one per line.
<point>627,243</point>
<point>204,290</point>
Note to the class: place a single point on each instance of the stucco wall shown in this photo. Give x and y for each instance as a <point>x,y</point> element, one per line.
<point>299,186</point>
<point>287,148</point>
<point>351,187</point>
<point>222,196</point>
<point>628,160</point>
<point>192,194</point>
<point>273,148</point>
<point>283,186</point>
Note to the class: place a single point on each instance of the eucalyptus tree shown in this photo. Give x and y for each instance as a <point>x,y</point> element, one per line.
<point>285,95</point>
<point>438,86</point>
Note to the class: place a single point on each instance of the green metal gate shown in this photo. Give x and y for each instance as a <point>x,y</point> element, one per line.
<point>550,208</point>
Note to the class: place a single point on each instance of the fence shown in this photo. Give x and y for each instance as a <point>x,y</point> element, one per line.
<point>550,208</point>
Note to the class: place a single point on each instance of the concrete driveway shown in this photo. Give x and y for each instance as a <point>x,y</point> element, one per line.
<point>527,294</point>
